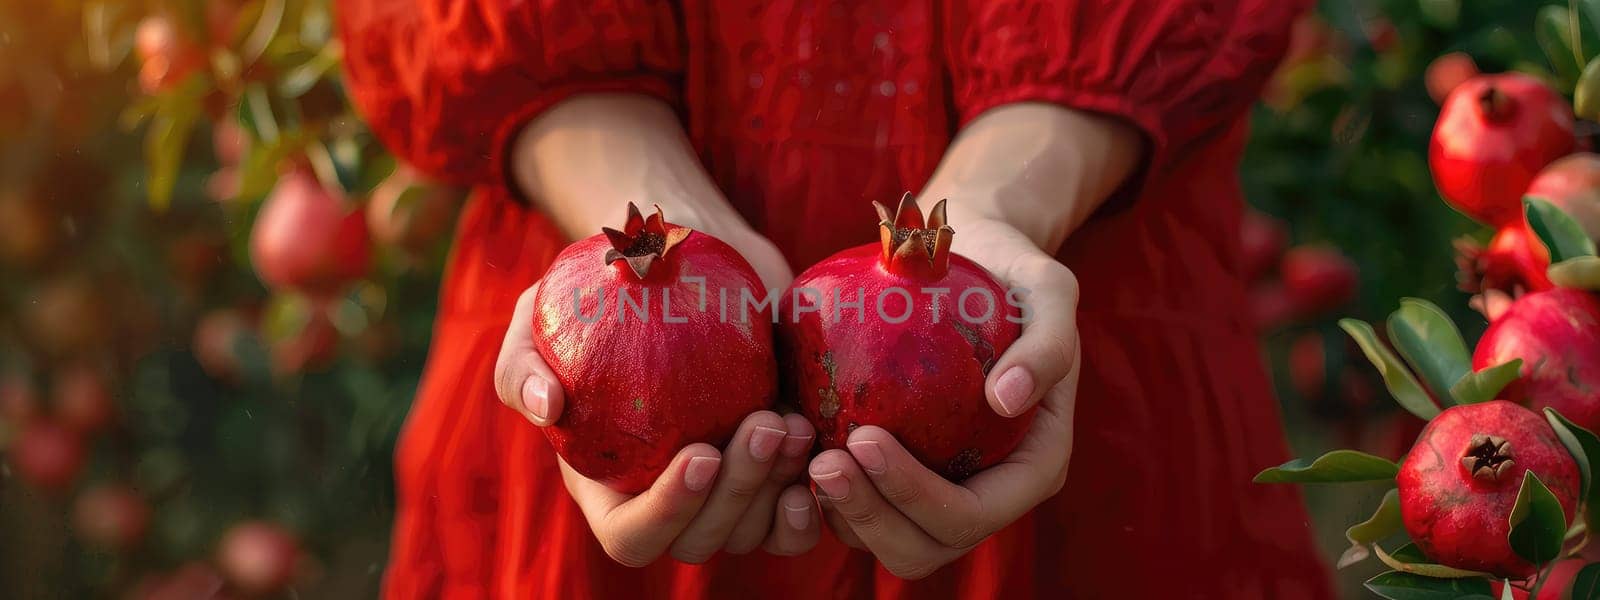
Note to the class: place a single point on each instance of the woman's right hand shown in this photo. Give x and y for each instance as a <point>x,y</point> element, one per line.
<point>736,499</point>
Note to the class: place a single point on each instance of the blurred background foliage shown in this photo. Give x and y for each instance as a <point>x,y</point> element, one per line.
<point>155,394</point>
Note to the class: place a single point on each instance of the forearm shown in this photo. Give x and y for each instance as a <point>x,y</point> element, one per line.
<point>1039,168</point>
<point>584,160</point>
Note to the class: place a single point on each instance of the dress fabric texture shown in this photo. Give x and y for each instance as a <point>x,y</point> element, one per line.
<point>804,112</point>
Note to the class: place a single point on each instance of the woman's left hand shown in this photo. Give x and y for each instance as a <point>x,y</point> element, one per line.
<point>878,497</point>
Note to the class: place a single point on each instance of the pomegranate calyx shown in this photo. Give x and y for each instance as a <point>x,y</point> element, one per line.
<point>643,241</point>
<point>911,243</point>
<point>1495,105</point>
<point>1488,458</point>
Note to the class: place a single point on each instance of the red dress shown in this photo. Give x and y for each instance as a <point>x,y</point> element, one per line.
<point>804,111</point>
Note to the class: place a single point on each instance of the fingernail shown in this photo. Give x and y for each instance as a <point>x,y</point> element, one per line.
<point>536,397</point>
<point>870,455</point>
<point>797,445</point>
<point>1013,389</point>
<point>799,517</point>
<point>701,470</point>
<point>763,442</point>
<point>834,484</point>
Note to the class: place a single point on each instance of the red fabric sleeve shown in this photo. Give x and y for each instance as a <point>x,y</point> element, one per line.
<point>445,84</point>
<point>1176,69</point>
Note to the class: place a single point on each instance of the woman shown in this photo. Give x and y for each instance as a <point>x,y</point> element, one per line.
<point>1084,145</point>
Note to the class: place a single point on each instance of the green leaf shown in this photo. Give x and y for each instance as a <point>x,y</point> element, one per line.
<point>1505,590</point>
<point>1396,585</point>
<point>1339,466</point>
<point>1587,455</point>
<point>1430,343</point>
<point>1559,231</point>
<point>164,143</point>
<point>257,113</point>
<point>1409,553</point>
<point>1591,9</point>
<point>1537,523</point>
<point>1385,521</point>
<point>1443,14</point>
<point>1552,28</point>
<point>1483,386</point>
<point>265,29</point>
<point>1582,273</point>
<point>1586,585</point>
<point>300,79</point>
<point>1402,385</point>
<point>1408,559</point>
<point>1586,94</point>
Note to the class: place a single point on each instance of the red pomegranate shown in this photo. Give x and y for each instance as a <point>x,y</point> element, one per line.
<point>908,361</point>
<point>81,400</point>
<point>1495,132</point>
<point>1460,480</point>
<point>1262,239</point>
<point>1381,34</point>
<point>167,54</point>
<point>258,557</point>
<point>646,330</point>
<point>1318,279</point>
<point>307,239</point>
<point>1556,333</point>
<point>1515,262</point>
<point>111,516</point>
<point>47,455</point>
<point>1573,185</point>
<point>1446,72</point>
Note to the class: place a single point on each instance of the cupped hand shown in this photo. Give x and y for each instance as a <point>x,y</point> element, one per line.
<point>877,496</point>
<point>707,500</point>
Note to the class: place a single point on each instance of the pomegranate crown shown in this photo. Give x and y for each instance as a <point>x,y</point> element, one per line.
<point>910,242</point>
<point>1495,104</point>
<point>1488,458</point>
<point>643,241</point>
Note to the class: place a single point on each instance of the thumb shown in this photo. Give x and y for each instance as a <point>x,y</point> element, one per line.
<point>1047,349</point>
<point>521,378</point>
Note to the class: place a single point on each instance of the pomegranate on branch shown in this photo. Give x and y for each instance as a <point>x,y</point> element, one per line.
<point>308,239</point>
<point>259,558</point>
<point>1556,333</point>
<point>111,517</point>
<point>1461,479</point>
<point>1494,134</point>
<point>1573,185</point>
<point>1514,262</point>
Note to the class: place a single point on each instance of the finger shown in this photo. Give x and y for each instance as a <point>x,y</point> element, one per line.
<point>796,526</point>
<point>948,512</point>
<point>903,548</point>
<point>521,378</point>
<point>634,530</point>
<point>837,524</point>
<point>757,524</point>
<point>1037,468</point>
<point>1047,348</point>
<point>746,463</point>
